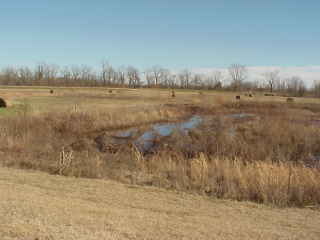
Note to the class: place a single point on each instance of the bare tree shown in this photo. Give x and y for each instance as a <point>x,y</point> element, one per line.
<point>185,78</point>
<point>296,86</point>
<point>104,66</point>
<point>257,85</point>
<point>66,75</point>
<point>9,76</point>
<point>149,78</point>
<point>238,74</point>
<point>214,81</point>
<point>316,88</point>
<point>110,74</point>
<point>25,75</point>
<point>133,77</point>
<point>272,78</point>
<point>165,78</point>
<point>156,72</point>
<point>86,75</point>
<point>301,88</point>
<point>39,73</point>
<point>172,80</point>
<point>197,80</point>
<point>281,85</point>
<point>50,72</point>
<point>121,76</point>
<point>75,73</point>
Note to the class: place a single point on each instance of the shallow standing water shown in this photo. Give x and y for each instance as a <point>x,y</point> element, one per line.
<point>146,141</point>
<point>241,115</point>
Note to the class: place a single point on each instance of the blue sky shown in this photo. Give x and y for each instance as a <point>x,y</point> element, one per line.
<point>174,34</point>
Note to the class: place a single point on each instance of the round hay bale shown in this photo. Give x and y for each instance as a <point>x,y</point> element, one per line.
<point>3,103</point>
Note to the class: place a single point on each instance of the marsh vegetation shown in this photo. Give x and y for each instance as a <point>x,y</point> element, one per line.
<point>253,149</point>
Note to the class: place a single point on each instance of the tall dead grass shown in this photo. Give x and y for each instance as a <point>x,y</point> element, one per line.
<point>32,140</point>
<point>261,160</point>
<point>278,184</point>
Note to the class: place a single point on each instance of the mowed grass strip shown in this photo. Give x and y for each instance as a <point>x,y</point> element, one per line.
<point>36,205</point>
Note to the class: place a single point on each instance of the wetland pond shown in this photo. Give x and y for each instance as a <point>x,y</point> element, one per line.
<point>146,140</point>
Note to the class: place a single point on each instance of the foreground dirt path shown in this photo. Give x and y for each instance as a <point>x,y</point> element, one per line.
<point>36,205</point>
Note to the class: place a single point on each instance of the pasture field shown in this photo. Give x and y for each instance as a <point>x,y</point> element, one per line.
<point>260,149</point>
<point>41,99</point>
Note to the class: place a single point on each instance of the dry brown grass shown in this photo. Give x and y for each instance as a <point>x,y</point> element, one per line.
<point>281,184</point>
<point>33,140</point>
<point>36,205</point>
<point>260,159</point>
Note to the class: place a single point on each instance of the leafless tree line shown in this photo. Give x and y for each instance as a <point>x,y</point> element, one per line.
<point>235,79</point>
<point>44,74</point>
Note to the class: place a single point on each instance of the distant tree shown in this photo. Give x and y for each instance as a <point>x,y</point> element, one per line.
<point>215,80</point>
<point>25,75</point>
<point>156,73</point>
<point>39,73</point>
<point>75,74</point>
<point>107,73</point>
<point>281,85</point>
<point>50,72</point>
<point>257,85</point>
<point>9,76</point>
<point>296,86</point>
<point>149,78</point>
<point>238,74</point>
<point>111,75</point>
<point>121,73</point>
<point>173,80</point>
<point>165,78</point>
<point>316,88</point>
<point>185,78</point>
<point>301,88</point>
<point>133,77</point>
<point>66,75</point>
<point>271,78</point>
<point>197,81</point>
<point>86,75</point>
